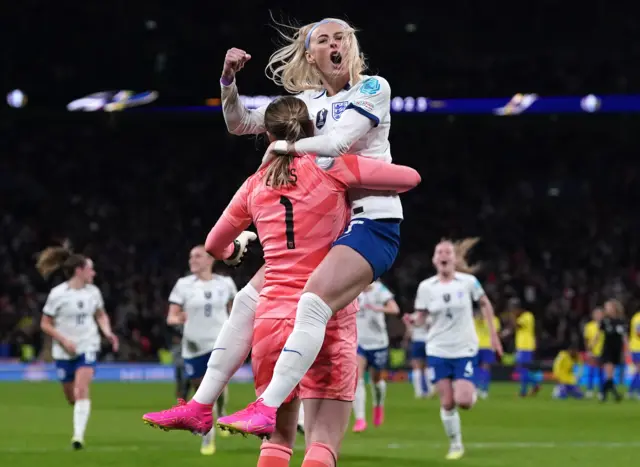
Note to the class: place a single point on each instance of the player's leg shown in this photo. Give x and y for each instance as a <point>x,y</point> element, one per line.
<point>233,343</point>
<point>197,367</point>
<point>417,375</point>
<point>327,391</point>
<point>324,431</point>
<point>574,391</point>
<point>378,384</point>
<point>301,419</point>
<point>523,362</point>
<point>231,350</point>
<point>82,406</point>
<point>366,250</point>
<point>182,382</point>
<point>443,372</point>
<point>277,451</point>
<point>360,402</point>
<point>636,377</point>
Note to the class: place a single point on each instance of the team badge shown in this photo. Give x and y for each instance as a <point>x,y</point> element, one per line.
<point>338,108</point>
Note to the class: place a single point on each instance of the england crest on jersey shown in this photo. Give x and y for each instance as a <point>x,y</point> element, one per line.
<point>338,108</point>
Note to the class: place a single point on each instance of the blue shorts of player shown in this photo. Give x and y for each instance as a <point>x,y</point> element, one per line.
<point>196,367</point>
<point>378,241</point>
<point>485,357</point>
<point>564,391</point>
<point>418,350</point>
<point>524,357</point>
<point>376,358</point>
<point>66,369</point>
<point>452,368</point>
<point>635,357</point>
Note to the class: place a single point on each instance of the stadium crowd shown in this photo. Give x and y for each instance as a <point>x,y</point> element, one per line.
<point>553,201</point>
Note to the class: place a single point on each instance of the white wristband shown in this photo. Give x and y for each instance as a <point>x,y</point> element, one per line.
<point>281,147</point>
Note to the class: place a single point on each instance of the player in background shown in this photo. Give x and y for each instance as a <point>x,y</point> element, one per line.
<point>200,303</point>
<point>417,335</point>
<point>524,326</point>
<point>71,316</point>
<point>592,364</point>
<point>566,380</point>
<point>634,348</point>
<point>486,354</point>
<point>299,207</point>
<point>373,350</point>
<point>612,328</point>
<point>452,343</point>
<point>183,384</point>
<point>350,112</point>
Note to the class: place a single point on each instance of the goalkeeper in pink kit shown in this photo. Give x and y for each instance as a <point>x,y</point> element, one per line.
<point>299,207</point>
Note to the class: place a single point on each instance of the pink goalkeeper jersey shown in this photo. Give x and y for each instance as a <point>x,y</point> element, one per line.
<point>298,224</point>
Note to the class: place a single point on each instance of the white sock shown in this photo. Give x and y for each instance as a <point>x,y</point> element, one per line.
<point>301,415</point>
<point>221,403</point>
<point>81,411</point>
<point>427,378</point>
<point>300,350</point>
<point>379,393</point>
<point>360,402</point>
<point>416,379</point>
<point>451,421</point>
<point>234,344</point>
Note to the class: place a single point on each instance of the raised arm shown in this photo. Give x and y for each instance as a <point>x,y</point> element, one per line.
<point>363,172</point>
<point>239,119</point>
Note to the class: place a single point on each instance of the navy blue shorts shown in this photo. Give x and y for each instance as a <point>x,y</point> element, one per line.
<point>487,356</point>
<point>378,241</point>
<point>452,368</point>
<point>376,358</point>
<point>66,369</point>
<point>418,350</point>
<point>196,367</point>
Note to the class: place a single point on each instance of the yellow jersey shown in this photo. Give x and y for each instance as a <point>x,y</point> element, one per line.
<point>482,330</point>
<point>563,368</point>
<point>634,333</point>
<point>591,330</point>
<point>526,332</point>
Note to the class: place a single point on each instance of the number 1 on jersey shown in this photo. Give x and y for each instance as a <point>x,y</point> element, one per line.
<point>288,221</point>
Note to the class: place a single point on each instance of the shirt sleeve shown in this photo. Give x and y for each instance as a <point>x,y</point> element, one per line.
<point>239,119</point>
<point>233,290</point>
<point>52,305</point>
<point>476,289</point>
<point>384,294</point>
<point>99,299</point>
<point>352,171</point>
<point>422,298</point>
<point>372,99</point>
<point>235,218</point>
<point>351,127</point>
<point>176,296</point>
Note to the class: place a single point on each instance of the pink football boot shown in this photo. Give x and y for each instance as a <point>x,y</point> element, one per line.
<point>359,426</point>
<point>378,415</point>
<point>257,419</point>
<point>192,416</point>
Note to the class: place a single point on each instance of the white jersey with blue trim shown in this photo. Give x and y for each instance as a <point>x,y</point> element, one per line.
<point>205,303</point>
<point>452,333</point>
<point>73,312</point>
<point>372,326</point>
<point>371,97</point>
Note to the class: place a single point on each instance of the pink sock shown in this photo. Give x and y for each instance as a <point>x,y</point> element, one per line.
<point>274,455</point>
<point>319,455</point>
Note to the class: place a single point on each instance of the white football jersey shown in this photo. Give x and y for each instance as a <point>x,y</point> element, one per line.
<point>205,303</point>
<point>372,326</point>
<point>73,313</point>
<point>419,333</point>
<point>371,98</point>
<point>452,333</point>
